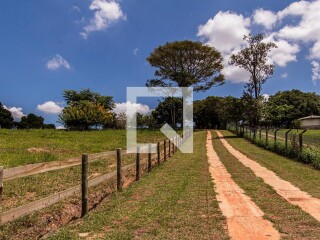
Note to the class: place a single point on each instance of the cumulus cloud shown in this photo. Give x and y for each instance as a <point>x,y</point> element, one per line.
<point>50,107</point>
<point>265,18</point>
<point>284,53</point>
<point>57,62</point>
<point>235,74</point>
<point>106,12</point>
<point>16,112</point>
<point>133,107</point>
<point>315,71</point>
<point>225,31</point>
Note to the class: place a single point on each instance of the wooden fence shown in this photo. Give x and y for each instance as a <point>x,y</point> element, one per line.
<point>170,146</point>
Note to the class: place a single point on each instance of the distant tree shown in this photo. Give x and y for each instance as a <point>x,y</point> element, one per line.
<point>73,97</point>
<point>86,109</point>
<point>286,106</point>
<point>49,126</point>
<point>254,59</point>
<point>168,111</point>
<point>6,119</point>
<point>31,121</point>
<point>186,64</point>
<point>149,121</point>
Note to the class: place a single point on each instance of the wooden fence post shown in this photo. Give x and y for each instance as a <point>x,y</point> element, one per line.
<point>84,185</point>
<point>119,172</point>
<point>159,153</point>
<point>149,159</point>
<point>267,136</point>
<point>165,150</point>
<point>169,148</point>
<point>1,185</point>
<point>138,164</point>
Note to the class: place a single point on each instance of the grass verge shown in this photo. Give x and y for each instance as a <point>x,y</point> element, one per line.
<point>291,221</point>
<point>174,201</point>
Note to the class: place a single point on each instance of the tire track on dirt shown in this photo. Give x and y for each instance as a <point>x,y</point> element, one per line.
<point>244,217</point>
<point>285,189</point>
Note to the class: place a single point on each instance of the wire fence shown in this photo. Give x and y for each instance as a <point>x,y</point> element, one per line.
<point>300,144</point>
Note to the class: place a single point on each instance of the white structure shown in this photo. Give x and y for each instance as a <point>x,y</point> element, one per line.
<point>311,122</point>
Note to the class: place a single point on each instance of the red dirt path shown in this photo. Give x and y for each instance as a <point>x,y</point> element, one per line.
<point>244,218</point>
<point>285,189</point>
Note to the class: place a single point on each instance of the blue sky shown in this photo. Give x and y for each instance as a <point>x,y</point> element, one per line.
<point>47,46</point>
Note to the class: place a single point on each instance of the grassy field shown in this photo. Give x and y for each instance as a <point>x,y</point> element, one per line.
<point>56,145</point>
<point>175,201</point>
<point>289,220</point>
<point>22,147</point>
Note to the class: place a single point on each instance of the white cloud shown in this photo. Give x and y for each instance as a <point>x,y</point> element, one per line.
<point>266,97</point>
<point>57,62</point>
<point>284,75</point>
<point>16,112</point>
<point>315,50</point>
<point>225,31</point>
<point>285,51</point>
<point>106,12</point>
<point>135,51</point>
<point>315,71</point>
<point>294,9</point>
<point>235,74</point>
<point>50,107</point>
<point>265,18</point>
<point>133,107</point>
<point>308,29</point>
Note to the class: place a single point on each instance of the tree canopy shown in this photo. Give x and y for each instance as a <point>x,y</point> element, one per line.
<point>285,107</point>
<point>186,64</point>
<point>254,59</point>
<point>86,109</point>
<point>6,119</point>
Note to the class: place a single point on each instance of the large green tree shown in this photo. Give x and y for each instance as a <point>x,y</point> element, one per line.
<point>6,119</point>
<point>86,109</point>
<point>254,59</point>
<point>186,64</point>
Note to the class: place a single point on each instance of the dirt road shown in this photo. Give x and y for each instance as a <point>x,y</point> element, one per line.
<point>244,217</point>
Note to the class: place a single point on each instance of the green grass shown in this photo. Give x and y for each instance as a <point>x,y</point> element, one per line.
<point>62,145</point>
<point>301,175</point>
<point>174,201</point>
<point>59,145</point>
<point>289,220</point>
